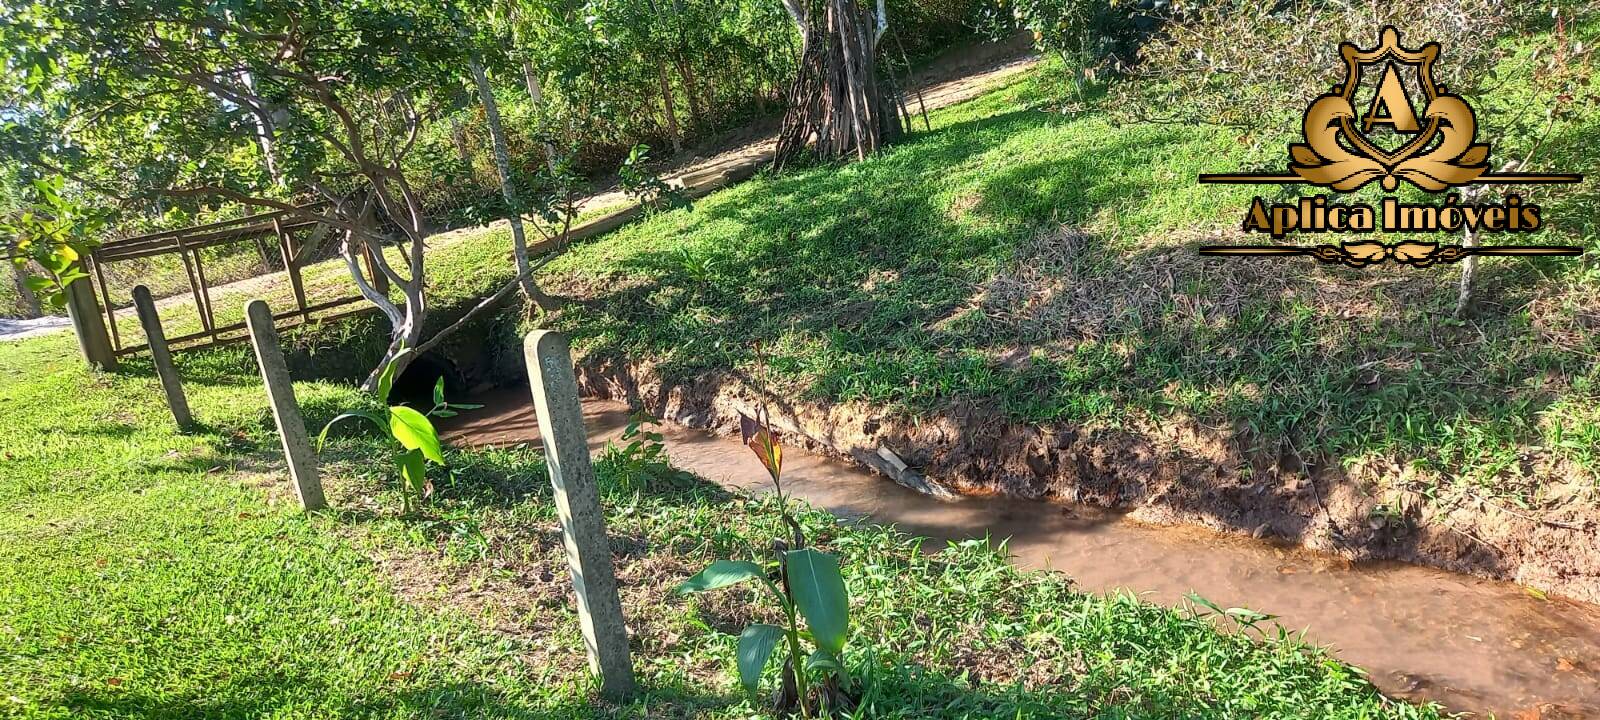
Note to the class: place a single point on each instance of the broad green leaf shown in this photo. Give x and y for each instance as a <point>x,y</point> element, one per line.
<point>755,647</point>
<point>415,432</point>
<point>1194,597</point>
<point>820,595</point>
<point>48,187</point>
<point>38,283</point>
<point>823,660</point>
<point>386,378</point>
<point>414,472</point>
<point>322,437</point>
<point>438,392</point>
<point>722,573</point>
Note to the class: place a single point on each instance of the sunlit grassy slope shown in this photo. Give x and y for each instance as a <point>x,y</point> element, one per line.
<point>1030,255</point>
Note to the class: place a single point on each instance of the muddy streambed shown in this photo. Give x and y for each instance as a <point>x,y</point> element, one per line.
<point>1424,634</point>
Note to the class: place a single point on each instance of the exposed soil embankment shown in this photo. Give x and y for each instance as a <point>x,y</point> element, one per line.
<point>1170,474</point>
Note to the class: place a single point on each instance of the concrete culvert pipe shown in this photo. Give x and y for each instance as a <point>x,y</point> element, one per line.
<point>415,385</point>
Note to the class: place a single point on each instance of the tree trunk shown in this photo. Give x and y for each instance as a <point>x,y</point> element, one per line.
<point>672,115</point>
<point>697,110</point>
<point>265,121</point>
<point>27,302</point>
<point>458,137</point>
<point>836,101</point>
<point>536,94</point>
<point>409,337</point>
<point>1469,272</point>
<point>502,164</point>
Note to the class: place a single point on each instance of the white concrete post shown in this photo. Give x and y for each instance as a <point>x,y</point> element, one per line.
<point>583,526</point>
<point>162,357</point>
<point>285,410</point>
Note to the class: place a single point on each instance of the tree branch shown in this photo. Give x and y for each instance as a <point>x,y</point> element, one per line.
<point>476,310</point>
<point>396,318</point>
<point>797,12</point>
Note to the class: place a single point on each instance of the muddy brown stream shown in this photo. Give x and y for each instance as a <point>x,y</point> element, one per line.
<point>1469,644</point>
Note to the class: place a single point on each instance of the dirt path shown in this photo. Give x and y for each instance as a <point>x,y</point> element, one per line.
<point>759,152</point>
<point>14,329</point>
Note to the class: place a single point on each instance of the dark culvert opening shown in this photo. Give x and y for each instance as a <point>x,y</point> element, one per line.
<point>415,385</point>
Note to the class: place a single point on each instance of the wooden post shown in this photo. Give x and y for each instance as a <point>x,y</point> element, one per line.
<point>105,297</point>
<point>145,305</point>
<point>583,526</point>
<point>285,410</point>
<point>286,247</point>
<point>261,248</point>
<point>205,294</point>
<point>380,281</point>
<point>194,286</point>
<point>87,323</point>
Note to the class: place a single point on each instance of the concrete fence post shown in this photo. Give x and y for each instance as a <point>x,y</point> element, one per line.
<point>285,410</point>
<point>162,356</point>
<point>89,326</point>
<point>583,526</point>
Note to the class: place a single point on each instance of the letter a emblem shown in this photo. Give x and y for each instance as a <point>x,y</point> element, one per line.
<point>1392,102</point>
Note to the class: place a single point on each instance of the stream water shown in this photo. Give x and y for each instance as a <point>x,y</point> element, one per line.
<point>1472,645</point>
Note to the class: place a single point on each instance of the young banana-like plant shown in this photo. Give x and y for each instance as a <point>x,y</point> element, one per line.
<point>809,585</point>
<point>412,430</point>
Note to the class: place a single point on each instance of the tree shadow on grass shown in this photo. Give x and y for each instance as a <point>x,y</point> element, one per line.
<point>845,252</point>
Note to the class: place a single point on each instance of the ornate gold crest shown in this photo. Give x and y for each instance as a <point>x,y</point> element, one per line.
<point>1437,153</point>
<point>1403,127</point>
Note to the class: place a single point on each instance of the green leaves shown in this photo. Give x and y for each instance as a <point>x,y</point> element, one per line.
<point>386,378</point>
<point>414,473</point>
<point>819,593</point>
<point>408,427</point>
<point>1243,616</point>
<point>815,589</point>
<point>54,231</point>
<point>822,661</point>
<point>322,437</point>
<point>414,431</point>
<point>445,408</point>
<point>755,647</point>
<point>438,393</point>
<point>722,573</point>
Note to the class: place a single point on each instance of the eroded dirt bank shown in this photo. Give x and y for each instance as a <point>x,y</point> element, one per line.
<point>1173,474</point>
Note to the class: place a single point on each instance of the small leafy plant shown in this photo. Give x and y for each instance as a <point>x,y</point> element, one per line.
<point>643,455</point>
<point>699,268</point>
<point>647,188</point>
<point>808,585</point>
<point>412,430</point>
<point>53,232</point>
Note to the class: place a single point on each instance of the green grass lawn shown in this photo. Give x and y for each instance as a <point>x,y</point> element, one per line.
<point>147,573</point>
